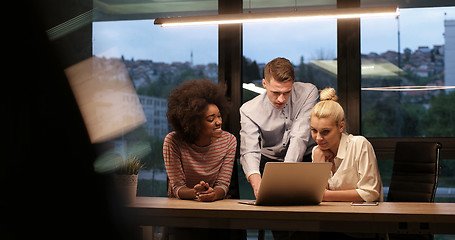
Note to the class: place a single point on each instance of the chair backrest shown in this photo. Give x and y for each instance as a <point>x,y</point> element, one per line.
<point>415,172</point>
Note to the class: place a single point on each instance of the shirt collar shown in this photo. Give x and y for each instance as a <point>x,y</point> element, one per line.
<point>343,145</point>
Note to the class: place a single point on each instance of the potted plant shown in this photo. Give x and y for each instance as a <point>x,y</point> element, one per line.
<point>126,177</point>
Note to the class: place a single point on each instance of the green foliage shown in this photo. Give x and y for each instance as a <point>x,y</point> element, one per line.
<point>391,115</point>
<point>153,161</point>
<point>156,89</point>
<point>250,70</point>
<point>440,118</point>
<point>154,157</point>
<point>131,165</point>
<point>166,82</point>
<point>379,120</point>
<point>407,114</point>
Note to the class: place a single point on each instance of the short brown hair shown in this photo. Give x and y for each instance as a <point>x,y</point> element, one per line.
<point>187,105</point>
<point>279,69</point>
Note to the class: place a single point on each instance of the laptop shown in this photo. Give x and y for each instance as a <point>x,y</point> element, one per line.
<point>292,183</point>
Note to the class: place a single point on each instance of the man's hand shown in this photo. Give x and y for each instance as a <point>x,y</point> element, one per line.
<point>255,181</point>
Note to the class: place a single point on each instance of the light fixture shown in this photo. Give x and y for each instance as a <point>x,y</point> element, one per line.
<point>408,88</point>
<point>337,13</point>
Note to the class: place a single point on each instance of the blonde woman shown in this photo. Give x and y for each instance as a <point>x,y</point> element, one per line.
<point>355,175</point>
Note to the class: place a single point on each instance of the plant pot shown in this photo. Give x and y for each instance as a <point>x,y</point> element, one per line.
<point>126,186</point>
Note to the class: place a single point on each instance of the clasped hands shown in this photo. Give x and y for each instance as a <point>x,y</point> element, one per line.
<point>204,192</point>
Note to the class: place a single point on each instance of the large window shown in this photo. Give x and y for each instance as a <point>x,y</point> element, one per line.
<point>156,60</point>
<point>310,46</point>
<point>406,78</point>
<point>408,83</point>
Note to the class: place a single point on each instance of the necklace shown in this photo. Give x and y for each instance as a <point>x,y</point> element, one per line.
<point>201,151</point>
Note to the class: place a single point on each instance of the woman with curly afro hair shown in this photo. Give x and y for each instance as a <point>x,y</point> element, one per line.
<point>198,154</point>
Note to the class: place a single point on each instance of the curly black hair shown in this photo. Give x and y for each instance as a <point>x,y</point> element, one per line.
<point>187,105</point>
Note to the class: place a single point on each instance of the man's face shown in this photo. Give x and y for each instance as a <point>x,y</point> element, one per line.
<point>278,92</point>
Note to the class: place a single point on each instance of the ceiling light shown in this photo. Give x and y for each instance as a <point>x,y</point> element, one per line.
<point>338,13</point>
<point>408,88</point>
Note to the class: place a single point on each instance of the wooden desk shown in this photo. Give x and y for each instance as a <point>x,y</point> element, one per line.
<point>328,216</point>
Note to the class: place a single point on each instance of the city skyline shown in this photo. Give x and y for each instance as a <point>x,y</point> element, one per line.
<point>142,40</point>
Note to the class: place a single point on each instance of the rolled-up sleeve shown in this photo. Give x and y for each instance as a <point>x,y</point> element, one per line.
<point>172,162</point>
<point>369,185</point>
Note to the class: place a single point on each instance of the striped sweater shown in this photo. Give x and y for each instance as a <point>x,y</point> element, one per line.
<point>188,164</point>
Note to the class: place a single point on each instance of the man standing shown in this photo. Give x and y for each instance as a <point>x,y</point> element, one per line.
<point>275,126</point>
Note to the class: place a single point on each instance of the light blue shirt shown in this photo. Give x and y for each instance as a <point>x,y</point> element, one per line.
<point>281,134</point>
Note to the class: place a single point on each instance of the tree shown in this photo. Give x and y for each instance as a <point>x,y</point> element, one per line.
<point>323,54</point>
<point>250,70</point>
<point>379,119</point>
<point>407,55</point>
<point>301,72</point>
<point>440,118</point>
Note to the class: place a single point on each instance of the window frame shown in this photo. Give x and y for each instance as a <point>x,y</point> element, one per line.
<point>349,76</point>
<point>348,32</point>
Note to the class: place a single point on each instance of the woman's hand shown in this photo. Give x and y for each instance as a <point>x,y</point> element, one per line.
<point>201,187</point>
<point>320,155</point>
<point>206,196</point>
<point>204,192</point>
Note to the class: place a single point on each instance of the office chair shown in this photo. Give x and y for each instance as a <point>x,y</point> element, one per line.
<point>414,176</point>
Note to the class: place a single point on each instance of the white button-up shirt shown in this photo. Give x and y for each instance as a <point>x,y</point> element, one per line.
<point>357,168</point>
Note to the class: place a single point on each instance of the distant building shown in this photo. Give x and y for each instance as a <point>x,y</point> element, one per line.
<point>155,110</point>
<point>449,53</point>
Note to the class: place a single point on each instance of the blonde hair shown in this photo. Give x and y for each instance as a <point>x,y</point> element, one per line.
<point>328,106</point>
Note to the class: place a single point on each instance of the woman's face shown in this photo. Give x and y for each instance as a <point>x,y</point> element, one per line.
<point>326,133</point>
<point>211,122</point>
